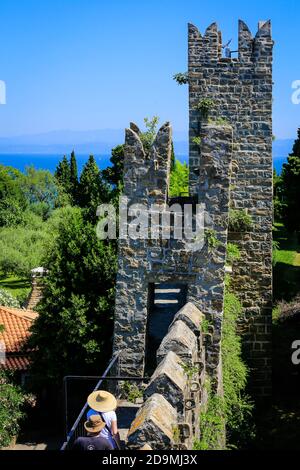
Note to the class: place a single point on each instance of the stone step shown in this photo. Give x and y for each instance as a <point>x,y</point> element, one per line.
<point>126,413</point>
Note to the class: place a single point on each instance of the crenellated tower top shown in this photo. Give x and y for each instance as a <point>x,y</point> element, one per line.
<point>208,48</point>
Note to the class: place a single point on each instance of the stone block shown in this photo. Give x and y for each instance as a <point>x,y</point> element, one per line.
<point>154,425</point>
<point>191,316</point>
<point>169,380</point>
<point>182,341</point>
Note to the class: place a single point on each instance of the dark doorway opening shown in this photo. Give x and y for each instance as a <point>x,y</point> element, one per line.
<point>164,302</point>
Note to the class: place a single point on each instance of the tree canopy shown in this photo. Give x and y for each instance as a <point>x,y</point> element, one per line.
<point>291,188</point>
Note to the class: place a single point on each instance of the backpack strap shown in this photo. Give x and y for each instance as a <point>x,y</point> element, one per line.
<point>109,430</point>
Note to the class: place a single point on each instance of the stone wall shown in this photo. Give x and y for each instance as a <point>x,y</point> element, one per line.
<point>169,417</point>
<point>145,261</point>
<point>241,91</point>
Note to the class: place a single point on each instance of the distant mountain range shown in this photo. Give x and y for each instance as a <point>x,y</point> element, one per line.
<point>83,142</point>
<point>98,142</point>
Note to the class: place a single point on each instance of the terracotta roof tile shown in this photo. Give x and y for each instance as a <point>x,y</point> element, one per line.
<point>16,324</point>
<point>16,362</point>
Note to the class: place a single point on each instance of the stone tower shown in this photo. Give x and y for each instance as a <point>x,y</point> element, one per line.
<point>148,267</point>
<point>240,91</point>
<point>230,161</point>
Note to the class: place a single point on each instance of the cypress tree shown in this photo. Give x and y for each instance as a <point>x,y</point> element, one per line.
<point>63,174</point>
<point>296,146</point>
<point>74,176</point>
<point>291,188</point>
<point>92,189</point>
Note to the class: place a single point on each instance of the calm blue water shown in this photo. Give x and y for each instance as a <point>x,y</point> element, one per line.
<point>49,162</point>
<point>278,162</point>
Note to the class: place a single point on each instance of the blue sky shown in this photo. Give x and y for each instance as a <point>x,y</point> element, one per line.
<point>80,65</point>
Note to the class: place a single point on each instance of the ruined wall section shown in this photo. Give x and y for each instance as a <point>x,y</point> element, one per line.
<point>198,264</point>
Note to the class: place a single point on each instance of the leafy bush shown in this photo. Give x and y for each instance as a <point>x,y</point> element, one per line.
<point>233,410</point>
<point>148,136</point>
<point>240,221</point>
<point>181,78</point>
<point>197,140</point>
<point>237,404</point>
<point>131,391</point>
<point>204,106</point>
<point>233,253</point>
<point>179,180</point>
<point>211,422</point>
<point>22,249</point>
<point>74,330</point>
<point>12,401</point>
<point>8,300</point>
<point>211,239</point>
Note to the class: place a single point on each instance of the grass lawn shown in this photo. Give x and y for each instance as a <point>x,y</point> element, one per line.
<point>286,273</point>
<point>18,287</point>
<point>279,424</point>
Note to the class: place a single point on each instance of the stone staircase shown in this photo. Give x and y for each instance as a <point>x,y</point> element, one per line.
<point>35,295</point>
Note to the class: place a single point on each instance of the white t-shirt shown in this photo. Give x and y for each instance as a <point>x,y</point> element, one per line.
<point>108,417</point>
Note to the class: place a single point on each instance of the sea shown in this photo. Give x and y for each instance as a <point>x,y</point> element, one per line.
<point>50,161</point>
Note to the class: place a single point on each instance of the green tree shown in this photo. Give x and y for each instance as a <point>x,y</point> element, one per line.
<point>8,300</point>
<point>12,200</point>
<point>12,401</point>
<point>63,174</point>
<point>277,197</point>
<point>40,190</point>
<point>179,180</point>
<point>92,189</point>
<point>22,248</point>
<point>25,246</point>
<point>148,136</point>
<point>173,158</point>
<point>73,331</point>
<point>296,146</point>
<point>74,176</point>
<point>114,173</point>
<point>291,188</point>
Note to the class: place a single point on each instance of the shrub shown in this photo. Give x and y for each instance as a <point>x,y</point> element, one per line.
<point>237,404</point>
<point>179,179</point>
<point>233,410</point>
<point>8,300</point>
<point>197,140</point>
<point>131,391</point>
<point>211,422</point>
<point>181,78</point>
<point>240,221</point>
<point>204,106</point>
<point>233,253</point>
<point>211,239</point>
<point>12,401</point>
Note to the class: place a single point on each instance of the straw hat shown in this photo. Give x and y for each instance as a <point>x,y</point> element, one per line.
<point>94,424</point>
<point>102,401</point>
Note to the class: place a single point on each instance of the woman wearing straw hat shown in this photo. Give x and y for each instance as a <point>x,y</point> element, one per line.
<point>93,441</point>
<point>104,404</point>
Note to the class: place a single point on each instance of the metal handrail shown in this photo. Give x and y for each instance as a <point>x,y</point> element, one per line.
<point>73,429</point>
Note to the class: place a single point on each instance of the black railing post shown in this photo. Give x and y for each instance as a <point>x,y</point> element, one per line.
<point>75,425</point>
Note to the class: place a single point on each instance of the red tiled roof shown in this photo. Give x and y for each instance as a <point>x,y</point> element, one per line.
<point>16,362</point>
<point>16,324</point>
